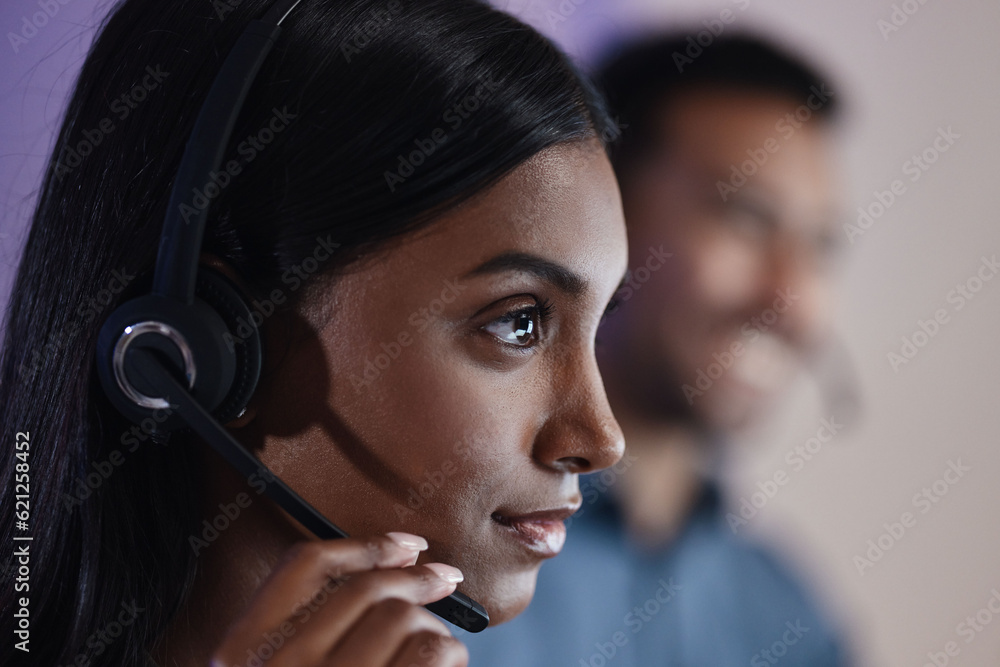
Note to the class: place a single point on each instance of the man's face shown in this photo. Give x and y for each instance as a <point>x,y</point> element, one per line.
<point>742,195</point>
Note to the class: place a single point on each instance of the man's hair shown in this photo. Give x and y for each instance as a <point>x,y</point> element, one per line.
<point>639,78</point>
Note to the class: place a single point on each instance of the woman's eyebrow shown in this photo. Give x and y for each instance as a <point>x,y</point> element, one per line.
<point>549,271</point>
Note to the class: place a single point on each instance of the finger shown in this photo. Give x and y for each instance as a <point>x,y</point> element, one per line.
<point>308,566</point>
<point>382,631</point>
<point>321,625</point>
<point>428,649</point>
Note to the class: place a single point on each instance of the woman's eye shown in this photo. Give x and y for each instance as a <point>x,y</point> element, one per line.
<point>520,327</point>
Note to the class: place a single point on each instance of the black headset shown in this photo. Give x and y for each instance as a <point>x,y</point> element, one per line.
<point>181,329</point>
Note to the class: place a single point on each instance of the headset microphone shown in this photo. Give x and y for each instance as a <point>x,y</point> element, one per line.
<point>180,329</point>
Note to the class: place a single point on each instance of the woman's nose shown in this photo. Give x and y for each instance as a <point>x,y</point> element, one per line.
<point>581,434</point>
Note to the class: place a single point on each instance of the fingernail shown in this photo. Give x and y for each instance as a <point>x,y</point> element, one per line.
<point>450,574</point>
<point>408,541</point>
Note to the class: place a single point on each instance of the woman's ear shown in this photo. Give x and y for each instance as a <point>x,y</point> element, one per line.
<point>245,417</point>
<point>223,267</point>
<point>249,411</point>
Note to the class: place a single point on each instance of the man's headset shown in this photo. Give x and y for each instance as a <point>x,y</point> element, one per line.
<point>179,330</point>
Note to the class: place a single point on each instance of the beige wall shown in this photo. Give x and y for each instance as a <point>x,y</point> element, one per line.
<point>940,69</point>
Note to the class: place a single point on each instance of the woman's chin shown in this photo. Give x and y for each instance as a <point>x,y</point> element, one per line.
<point>503,596</point>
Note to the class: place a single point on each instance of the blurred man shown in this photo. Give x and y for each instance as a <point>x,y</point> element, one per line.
<point>725,170</point>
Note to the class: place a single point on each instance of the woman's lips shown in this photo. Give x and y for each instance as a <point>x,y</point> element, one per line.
<point>542,532</point>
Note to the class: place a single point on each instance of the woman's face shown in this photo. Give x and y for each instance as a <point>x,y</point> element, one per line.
<point>447,386</point>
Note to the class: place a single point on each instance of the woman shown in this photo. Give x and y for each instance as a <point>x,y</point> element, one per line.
<point>429,232</point>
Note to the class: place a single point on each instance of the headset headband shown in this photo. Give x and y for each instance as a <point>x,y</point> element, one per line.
<point>181,239</point>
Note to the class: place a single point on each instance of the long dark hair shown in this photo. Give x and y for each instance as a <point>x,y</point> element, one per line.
<point>388,114</point>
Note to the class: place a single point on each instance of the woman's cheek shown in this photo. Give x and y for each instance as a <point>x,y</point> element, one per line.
<point>457,429</point>
<point>432,414</point>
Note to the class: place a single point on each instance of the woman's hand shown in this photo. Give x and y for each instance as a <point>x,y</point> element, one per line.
<point>354,602</point>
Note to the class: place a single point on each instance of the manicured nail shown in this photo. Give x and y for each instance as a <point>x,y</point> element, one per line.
<point>408,541</point>
<point>450,574</point>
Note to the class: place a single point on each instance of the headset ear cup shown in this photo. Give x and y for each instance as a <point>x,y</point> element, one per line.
<point>189,339</point>
<point>242,338</point>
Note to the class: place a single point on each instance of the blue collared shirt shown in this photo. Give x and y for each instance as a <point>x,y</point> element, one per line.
<point>709,598</point>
